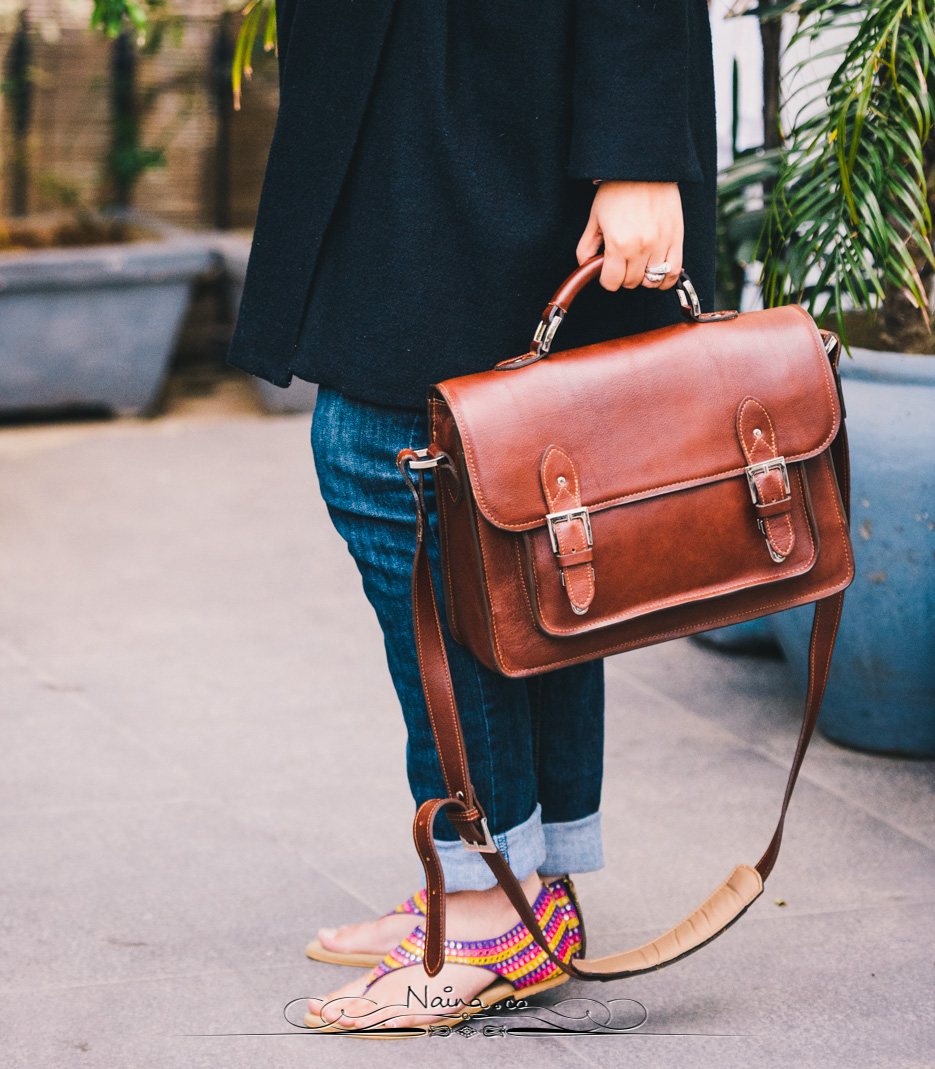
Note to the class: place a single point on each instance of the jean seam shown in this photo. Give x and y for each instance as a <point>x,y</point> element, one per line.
<point>412,432</point>
<point>535,724</point>
<point>492,816</point>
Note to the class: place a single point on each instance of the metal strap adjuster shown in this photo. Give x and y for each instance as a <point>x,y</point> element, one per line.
<point>546,329</point>
<point>427,461</point>
<point>765,466</point>
<point>488,846</point>
<point>563,517</point>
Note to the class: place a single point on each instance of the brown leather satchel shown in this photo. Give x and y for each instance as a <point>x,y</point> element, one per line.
<point>622,494</point>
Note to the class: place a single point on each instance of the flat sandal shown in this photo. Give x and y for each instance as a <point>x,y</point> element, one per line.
<point>520,966</point>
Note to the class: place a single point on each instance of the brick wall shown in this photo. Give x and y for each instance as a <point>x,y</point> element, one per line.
<point>70,130</point>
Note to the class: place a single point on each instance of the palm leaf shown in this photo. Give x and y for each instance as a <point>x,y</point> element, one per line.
<point>112,16</point>
<point>849,214</point>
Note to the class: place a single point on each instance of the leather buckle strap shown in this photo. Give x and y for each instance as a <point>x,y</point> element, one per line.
<point>767,477</point>
<point>569,525</point>
<point>764,468</point>
<point>759,480</point>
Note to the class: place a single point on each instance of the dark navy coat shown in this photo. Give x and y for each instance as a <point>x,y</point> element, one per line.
<point>431,174</point>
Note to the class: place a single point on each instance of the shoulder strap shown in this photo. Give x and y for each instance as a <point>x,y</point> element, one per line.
<point>729,900</point>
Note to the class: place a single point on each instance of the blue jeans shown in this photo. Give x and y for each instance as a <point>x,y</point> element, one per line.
<point>535,746</point>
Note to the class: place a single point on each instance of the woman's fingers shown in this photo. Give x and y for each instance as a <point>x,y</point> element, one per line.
<point>641,227</point>
<point>628,268</point>
<point>591,239</point>
<point>636,267</point>
<point>614,269</point>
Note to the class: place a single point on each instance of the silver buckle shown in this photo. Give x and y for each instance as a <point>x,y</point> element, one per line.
<point>545,332</point>
<point>561,517</point>
<point>777,558</point>
<point>773,464</point>
<point>488,846</point>
<point>426,461</point>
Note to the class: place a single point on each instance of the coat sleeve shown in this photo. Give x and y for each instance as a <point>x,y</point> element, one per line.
<point>630,110</point>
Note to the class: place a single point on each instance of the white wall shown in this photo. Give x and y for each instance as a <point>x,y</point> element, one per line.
<point>740,38</point>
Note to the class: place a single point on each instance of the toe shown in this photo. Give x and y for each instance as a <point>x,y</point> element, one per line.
<point>328,1010</point>
<point>335,1007</point>
<point>329,938</point>
<point>316,1009</point>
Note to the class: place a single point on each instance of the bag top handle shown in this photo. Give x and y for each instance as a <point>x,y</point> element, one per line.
<point>558,306</point>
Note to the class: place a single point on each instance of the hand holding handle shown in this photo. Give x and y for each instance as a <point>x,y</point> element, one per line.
<point>558,306</point>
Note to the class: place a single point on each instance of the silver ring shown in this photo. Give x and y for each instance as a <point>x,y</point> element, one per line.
<point>652,276</point>
<point>659,269</point>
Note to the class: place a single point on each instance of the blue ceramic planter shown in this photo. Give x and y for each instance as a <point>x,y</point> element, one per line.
<point>751,636</point>
<point>881,690</point>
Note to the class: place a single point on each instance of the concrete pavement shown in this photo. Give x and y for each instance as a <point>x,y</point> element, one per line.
<point>196,720</point>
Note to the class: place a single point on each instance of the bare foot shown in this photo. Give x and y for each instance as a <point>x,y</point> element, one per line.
<point>372,937</point>
<point>407,997</point>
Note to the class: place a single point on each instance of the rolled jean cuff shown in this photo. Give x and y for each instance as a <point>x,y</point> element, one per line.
<point>573,846</point>
<point>523,847</point>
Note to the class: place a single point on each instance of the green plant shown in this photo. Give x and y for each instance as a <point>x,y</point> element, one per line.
<point>18,88</point>
<point>113,17</point>
<point>253,15</point>
<point>128,159</point>
<point>850,217</point>
<point>741,215</point>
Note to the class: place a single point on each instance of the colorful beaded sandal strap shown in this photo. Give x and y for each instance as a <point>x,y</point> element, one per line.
<point>515,955</point>
<point>563,891</point>
<point>414,905</point>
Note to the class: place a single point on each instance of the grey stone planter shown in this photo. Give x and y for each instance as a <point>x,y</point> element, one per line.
<point>94,327</point>
<point>300,396</point>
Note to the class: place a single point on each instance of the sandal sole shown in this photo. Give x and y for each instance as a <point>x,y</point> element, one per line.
<point>317,952</point>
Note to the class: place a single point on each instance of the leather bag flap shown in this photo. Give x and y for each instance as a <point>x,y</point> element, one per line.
<point>644,415</point>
